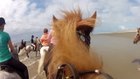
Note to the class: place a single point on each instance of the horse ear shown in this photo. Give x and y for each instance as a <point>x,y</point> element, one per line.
<point>93,18</point>
<point>89,21</point>
<point>94,15</point>
<point>54,19</point>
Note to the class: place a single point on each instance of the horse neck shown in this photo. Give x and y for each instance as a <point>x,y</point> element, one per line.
<point>77,51</point>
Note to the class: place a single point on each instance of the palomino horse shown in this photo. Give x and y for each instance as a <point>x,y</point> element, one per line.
<point>73,39</point>
<point>26,49</point>
<point>137,37</point>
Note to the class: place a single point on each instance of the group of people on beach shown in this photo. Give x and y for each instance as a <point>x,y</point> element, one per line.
<point>45,40</point>
<point>6,56</point>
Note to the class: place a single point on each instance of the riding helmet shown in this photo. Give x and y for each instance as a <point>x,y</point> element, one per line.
<point>2,21</point>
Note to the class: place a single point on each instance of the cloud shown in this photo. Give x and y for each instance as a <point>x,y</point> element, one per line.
<point>28,16</point>
<point>135,10</point>
<point>122,27</point>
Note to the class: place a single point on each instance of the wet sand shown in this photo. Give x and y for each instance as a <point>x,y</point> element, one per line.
<point>117,51</point>
<point>32,65</point>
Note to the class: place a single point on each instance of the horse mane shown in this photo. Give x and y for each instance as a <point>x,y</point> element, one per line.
<point>69,47</point>
<point>66,28</point>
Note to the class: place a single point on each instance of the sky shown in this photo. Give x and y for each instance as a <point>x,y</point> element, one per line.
<point>25,17</point>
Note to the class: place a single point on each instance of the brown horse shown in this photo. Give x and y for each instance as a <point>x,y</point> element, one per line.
<point>73,40</point>
<point>137,37</point>
<point>22,45</point>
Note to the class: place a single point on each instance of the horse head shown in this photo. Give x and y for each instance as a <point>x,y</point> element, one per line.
<point>137,37</point>
<point>72,36</point>
<point>73,26</point>
<point>72,33</point>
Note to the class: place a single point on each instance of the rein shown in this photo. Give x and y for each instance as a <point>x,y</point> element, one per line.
<point>96,71</point>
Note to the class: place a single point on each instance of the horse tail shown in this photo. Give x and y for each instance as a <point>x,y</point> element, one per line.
<point>43,52</point>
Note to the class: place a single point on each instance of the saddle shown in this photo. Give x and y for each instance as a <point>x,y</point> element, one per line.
<point>9,69</point>
<point>6,68</point>
<point>34,46</point>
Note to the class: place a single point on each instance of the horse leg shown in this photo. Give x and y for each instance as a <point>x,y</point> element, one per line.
<point>46,73</point>
<point>19,49</point>
<point>27,54</point>
<point>36,51</point>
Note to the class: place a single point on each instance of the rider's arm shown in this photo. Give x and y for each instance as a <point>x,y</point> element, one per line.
<point>11,46</point>
<point>14,53</point>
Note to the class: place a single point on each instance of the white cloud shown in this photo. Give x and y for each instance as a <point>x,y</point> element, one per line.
<point>122,27</point>
<point>135,10</point>
<point>22,15</point>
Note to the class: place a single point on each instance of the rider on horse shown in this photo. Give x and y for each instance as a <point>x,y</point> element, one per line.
<point>6,59</point>
<point>33,43</point>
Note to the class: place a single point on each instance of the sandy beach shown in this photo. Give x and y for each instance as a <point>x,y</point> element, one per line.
<point>117,51</point>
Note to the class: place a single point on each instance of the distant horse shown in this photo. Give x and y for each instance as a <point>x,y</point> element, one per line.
<point>137,37</point>
<point>22,45</point>
<point>73,42</point>
<point>26,49</point>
